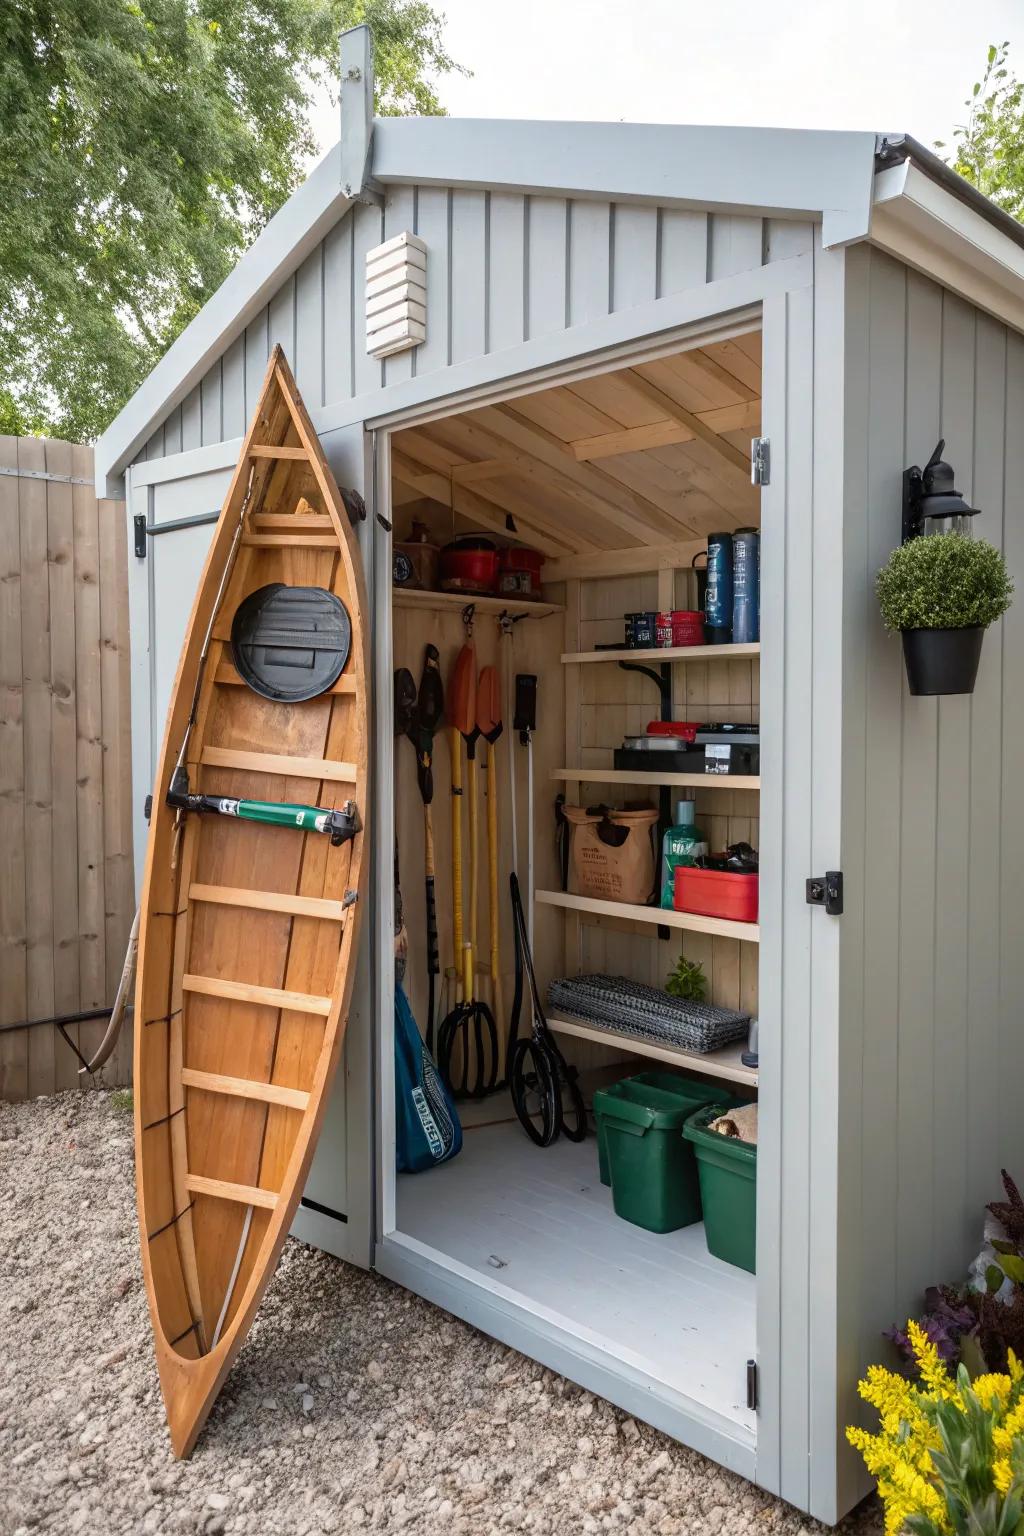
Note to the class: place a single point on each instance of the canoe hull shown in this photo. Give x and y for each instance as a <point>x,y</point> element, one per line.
<point>248,931</point>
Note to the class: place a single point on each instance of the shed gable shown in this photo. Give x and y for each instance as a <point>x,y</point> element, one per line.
<point>504,268</point>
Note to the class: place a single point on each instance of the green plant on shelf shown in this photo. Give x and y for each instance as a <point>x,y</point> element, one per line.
<point>687,981</point>
<point>943,581</point>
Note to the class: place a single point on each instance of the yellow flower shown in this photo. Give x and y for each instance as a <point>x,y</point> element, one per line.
<point>992,1389</point>
<point>933,1372</point>
<point>1002,1474</point>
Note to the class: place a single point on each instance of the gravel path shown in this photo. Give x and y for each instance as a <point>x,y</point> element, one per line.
<point>354,1406</point>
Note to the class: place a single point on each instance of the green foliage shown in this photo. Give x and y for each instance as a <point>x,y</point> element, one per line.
<point>687,980</point>
<point>943,581</point>
<point>145,144</point>
<point>988,149</point>
<point>121,1100</point>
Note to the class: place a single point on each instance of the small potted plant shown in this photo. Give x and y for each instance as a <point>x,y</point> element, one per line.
<point>942,591</point>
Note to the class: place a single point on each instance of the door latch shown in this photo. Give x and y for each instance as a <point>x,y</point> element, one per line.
<point>760,461</point>
<point>827,891</point>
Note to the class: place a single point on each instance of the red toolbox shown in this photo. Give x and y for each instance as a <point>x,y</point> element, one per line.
<point>716,893</point>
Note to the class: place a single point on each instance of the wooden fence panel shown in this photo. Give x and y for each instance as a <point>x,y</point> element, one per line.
<point>66,895</point>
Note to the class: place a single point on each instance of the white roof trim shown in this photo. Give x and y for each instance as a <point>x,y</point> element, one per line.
<point>774,172</point>
<point>294,231</point>
<point>929,228</point>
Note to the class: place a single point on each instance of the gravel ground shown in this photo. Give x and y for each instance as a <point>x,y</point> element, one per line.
<point>353,1406</point>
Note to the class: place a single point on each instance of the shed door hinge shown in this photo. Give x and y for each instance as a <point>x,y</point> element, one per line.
<point>827,891</point>
<point>139,524</point>
<point>752,1385</point>
<point>760,461</point>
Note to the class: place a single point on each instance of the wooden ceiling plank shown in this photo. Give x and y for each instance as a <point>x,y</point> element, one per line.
<point>633,512</point>
<point>661,434</point>
<point>482,469</point>
<point>714,371</point>
<point>556,473</point>
<point>481,510</point>
<point>738,362</point>
<point>560,515</point>
<point>707,434</point>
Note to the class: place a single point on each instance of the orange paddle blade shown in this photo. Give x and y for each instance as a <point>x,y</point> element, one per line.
<point>488,704</point>
<point>462,690</point>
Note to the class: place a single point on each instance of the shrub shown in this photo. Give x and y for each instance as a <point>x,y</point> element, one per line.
<point>943,581</point>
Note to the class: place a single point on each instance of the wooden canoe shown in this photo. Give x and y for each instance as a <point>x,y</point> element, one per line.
<point>248,932</point>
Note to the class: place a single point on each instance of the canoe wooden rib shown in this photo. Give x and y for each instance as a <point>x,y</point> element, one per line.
<point>248,932</point>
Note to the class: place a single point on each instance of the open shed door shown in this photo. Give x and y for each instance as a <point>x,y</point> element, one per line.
<point>170,525</point>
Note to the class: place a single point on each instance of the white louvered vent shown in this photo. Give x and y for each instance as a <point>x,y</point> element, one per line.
<point>396,295</point>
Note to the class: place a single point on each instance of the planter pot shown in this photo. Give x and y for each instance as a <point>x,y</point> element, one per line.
<point>942,660</point>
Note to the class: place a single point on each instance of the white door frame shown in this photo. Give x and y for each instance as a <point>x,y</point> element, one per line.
<point>481,1301</point>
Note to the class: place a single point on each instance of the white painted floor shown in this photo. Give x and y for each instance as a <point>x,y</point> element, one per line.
<point>540,1221</point>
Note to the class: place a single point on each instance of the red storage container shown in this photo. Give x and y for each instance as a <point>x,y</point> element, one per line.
<point>687,627</point>
<point>716,893</point>
<point>519,572</point>
<point>683,730</point>
<point>469,564</point>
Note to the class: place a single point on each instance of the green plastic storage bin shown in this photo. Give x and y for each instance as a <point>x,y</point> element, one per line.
<point>669,1082</point>
<point>653,1169</point>
<point>728,1188</point>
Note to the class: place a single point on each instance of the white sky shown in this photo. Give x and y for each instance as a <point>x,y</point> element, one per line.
<point>904,66</point>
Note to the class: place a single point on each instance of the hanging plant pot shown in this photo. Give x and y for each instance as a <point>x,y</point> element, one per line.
<point>942,660</point>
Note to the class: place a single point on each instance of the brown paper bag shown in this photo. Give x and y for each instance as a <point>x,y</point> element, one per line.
<point>611,853</point>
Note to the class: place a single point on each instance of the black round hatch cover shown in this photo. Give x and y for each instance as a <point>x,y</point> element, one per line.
<point>291,643</point>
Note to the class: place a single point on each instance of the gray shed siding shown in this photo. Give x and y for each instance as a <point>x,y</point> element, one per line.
<point>503,268</point>
<point>932,949</point>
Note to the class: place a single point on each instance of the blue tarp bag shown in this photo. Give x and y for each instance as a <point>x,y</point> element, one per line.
<point>427,1129</point>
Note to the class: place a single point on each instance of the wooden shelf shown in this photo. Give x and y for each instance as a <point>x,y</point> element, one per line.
<point>441,602</point>
<point>660,916</point>
<point>670,653</point>
<point>679,780</point>
<point>724,1063</point>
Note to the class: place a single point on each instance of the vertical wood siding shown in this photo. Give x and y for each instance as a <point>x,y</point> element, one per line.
<point>932,965</point>
<point>503,268</point>
<point>66,896</point>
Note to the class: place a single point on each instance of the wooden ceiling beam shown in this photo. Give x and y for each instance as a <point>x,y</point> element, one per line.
<point>469,504</point>
<point>677,412</point>
<point>540,510</point>
<point>628,509</point>
<point>662,434</point>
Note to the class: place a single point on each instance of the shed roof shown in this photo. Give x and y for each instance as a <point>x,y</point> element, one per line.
<point>856,185</point>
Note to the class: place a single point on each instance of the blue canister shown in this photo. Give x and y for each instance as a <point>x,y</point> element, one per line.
<point>718,599</point>
<point>746,567</point>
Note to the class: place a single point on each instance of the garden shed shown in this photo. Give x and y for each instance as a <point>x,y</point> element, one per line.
<point>616,341</point>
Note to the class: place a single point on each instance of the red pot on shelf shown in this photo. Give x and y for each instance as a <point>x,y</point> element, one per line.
<point>715,893</point>
<point>469,564</point>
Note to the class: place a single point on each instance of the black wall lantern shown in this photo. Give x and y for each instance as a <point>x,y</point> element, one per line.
<point>931,502</point>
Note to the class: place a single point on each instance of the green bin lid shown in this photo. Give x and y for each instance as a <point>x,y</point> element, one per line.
<point>657,1101</point>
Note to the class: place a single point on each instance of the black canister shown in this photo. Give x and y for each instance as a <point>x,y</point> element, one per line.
<point>718,600</point>
<point>644,630</point>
